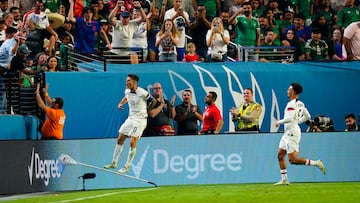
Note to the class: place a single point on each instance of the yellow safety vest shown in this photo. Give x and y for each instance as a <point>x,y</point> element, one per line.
<point>245,124</point>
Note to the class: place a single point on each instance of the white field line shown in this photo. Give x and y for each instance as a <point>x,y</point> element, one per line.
<point>106,194</point>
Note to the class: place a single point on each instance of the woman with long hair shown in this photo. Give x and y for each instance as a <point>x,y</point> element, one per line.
<point>52,64</point>
<point>294,41</point>
<point>336,46</point>
<point>167,40</point>
<point>217,40</point>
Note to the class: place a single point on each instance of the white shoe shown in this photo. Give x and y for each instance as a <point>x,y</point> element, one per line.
<point>282,182</point>
<point>124,169</point>
<point>321,167</point>
<point>112,165</point>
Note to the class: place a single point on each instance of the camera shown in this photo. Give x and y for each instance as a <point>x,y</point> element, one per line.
<point>323,121</point>
<point>180,22</point>
<point>310,123</point>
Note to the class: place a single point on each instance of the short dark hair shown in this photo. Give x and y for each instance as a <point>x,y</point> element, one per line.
<point>59,101</point>
<point>188,90</point>
<point>94,2</point>
<point>11,30</point>
<point>134,77</point>
<point>246,3</point>
<point>86,9</point>
<point>316,30</point>
<point>296,87</point>
<point>248,88</point>
<point>300,15</point>
<point>13,8</point>
<point>264,15</point>
<point>350,115</point>
<point>213,94</point>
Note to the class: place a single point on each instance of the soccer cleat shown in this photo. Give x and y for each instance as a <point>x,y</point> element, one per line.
<point>282,182</point>
<point>321,167</point>
<point>112,165</point>
<point>124,169</point>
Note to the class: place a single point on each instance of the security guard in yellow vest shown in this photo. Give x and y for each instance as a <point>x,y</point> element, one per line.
<point>248,114</point>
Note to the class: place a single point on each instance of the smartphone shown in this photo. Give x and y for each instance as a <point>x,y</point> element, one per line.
<point>21,37</point>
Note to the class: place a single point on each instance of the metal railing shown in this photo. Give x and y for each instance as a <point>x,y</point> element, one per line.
<point>282,54</point>
<point>98,62</point>
<point>15,99</point>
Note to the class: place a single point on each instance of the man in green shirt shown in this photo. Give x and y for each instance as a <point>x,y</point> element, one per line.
<point>315,48</point>
<point>305,7</point>
<point>52,5</point>
<point>350,13</point>
<point>247,27</point>
<point>212,6</point>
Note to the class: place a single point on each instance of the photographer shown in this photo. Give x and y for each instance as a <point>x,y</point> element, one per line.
<point>320,124</point>
<point>350,122</point>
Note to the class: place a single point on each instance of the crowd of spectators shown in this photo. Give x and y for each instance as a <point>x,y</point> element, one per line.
<point>161,29</point>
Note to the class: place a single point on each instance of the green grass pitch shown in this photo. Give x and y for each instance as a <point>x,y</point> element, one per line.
<point>262,192</point>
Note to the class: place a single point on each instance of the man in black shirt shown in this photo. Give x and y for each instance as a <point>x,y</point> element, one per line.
<point>187,115</point>
<point>350,122</point>
<point>17,62</point>
<point>160,115</point>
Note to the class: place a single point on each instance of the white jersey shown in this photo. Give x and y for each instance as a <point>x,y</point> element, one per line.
<point>295,113</point>
<point>180,24</point>
<point>140,36</point>
<point>137,103</point>
<point>122,36</point>
<point>41,19</point>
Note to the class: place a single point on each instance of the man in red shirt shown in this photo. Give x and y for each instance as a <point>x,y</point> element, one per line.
<point>54,123</point>
<point>212,120</point>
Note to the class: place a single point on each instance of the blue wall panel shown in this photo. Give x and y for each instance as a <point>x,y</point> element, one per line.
<point>91,98</point>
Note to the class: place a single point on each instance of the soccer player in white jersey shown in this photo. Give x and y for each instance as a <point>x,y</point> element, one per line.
<point>134,125</point>
<point>295,113</point>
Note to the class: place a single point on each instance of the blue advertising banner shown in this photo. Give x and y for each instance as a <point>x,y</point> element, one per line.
<point>91,98</point>
<point>29,166</point>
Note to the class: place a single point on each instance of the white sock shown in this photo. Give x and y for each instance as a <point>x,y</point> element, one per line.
<point>117,151</point>
<point>132,152</point>
<point>283,173</point>
<point>311,162</point>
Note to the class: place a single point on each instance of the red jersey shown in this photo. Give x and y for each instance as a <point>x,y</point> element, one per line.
<point>193,58</point>
<point>211,118</point>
